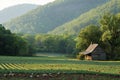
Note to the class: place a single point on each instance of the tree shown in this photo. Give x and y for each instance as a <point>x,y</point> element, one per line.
<point>51,43</point>
<point>20,46</point>
<point>30,42</point>
<point>87,35</point>
<point>10,44</point>
<point>110,26</point>
<point>6,40</point>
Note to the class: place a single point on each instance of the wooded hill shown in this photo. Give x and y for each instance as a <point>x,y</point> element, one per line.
<point>91,17</point>
<point>14,11</point>
<point>46,18</point>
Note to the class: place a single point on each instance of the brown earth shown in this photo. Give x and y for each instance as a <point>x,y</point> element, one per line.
<point>56,76</point>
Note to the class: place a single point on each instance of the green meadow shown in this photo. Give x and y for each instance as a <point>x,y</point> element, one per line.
<point>57,64</point>
<point>60,68</point>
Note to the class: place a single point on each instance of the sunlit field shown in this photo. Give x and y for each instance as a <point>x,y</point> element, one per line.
<point>57,65</point>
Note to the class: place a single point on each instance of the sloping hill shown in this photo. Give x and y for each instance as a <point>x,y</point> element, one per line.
<point>46,18</point>
<point>91,17</point>
<point>14,11</point>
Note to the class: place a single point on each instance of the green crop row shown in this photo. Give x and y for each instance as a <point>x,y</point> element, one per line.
<point>53,65</point>
<point>75,68</point>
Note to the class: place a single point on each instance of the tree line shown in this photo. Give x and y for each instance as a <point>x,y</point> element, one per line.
<point>27,45</point>
<point>106,34</point>
<point>11,44</point>
<point>50,43</point>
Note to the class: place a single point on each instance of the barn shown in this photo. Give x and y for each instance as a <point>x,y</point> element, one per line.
<point>94,52</point>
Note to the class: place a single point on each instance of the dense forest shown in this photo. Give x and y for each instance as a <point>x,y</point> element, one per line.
<point>62,17</point>
<point>60,40</point>
<point>91,17</point>
<point>46,18</point>
<point>59,27</point>
<point>27,45</point>
<point>64,44</point>
<point>11,44</point>
<point>107,34</point>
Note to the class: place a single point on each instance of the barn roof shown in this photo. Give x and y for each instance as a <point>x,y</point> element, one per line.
<point>90,49</point>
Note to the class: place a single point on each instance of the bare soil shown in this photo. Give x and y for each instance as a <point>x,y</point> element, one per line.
<point>56,76</point>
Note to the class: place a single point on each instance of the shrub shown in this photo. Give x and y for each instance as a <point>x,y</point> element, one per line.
<point>80,56</point>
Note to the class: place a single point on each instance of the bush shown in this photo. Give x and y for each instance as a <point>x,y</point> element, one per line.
<point>80,56</point>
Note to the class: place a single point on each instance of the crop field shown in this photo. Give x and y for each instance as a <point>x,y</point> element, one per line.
<point>58,65</point>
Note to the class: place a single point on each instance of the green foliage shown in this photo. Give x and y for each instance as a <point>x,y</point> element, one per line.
<point>21,47</point>
<point>107,36</point>
<point>55,65</point>
<point>80,56</point>
<point>90,17</point>
<point>45,18</point>
<point>51,43</point>
<point>110,25</point>
<point>10,44</point>
<point>87,35</point>
<point>30,42</point>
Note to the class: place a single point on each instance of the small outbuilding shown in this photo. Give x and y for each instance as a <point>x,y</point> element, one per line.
<point>94,52</point>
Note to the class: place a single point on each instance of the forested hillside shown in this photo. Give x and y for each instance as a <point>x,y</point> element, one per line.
<point>47,17</point>
<point>14,11</point>
<point>90,17</point>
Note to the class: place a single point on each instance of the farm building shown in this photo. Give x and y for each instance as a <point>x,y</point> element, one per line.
<point>94,52</point>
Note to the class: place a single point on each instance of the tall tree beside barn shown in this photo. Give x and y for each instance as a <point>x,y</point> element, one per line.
<point>110,26</point>
<point>108,35</point>
<point>87,35</point>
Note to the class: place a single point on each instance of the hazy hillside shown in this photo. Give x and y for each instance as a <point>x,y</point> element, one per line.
<point>46,18</point>
<point>14,11</point>
<point>91,17</point>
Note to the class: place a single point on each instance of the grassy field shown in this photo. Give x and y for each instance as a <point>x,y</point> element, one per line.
<point>58,65</point>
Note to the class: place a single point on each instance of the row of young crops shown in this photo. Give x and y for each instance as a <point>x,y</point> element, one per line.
<point>67,68</point>
<point>57,68</point>
<point>55,64</point>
